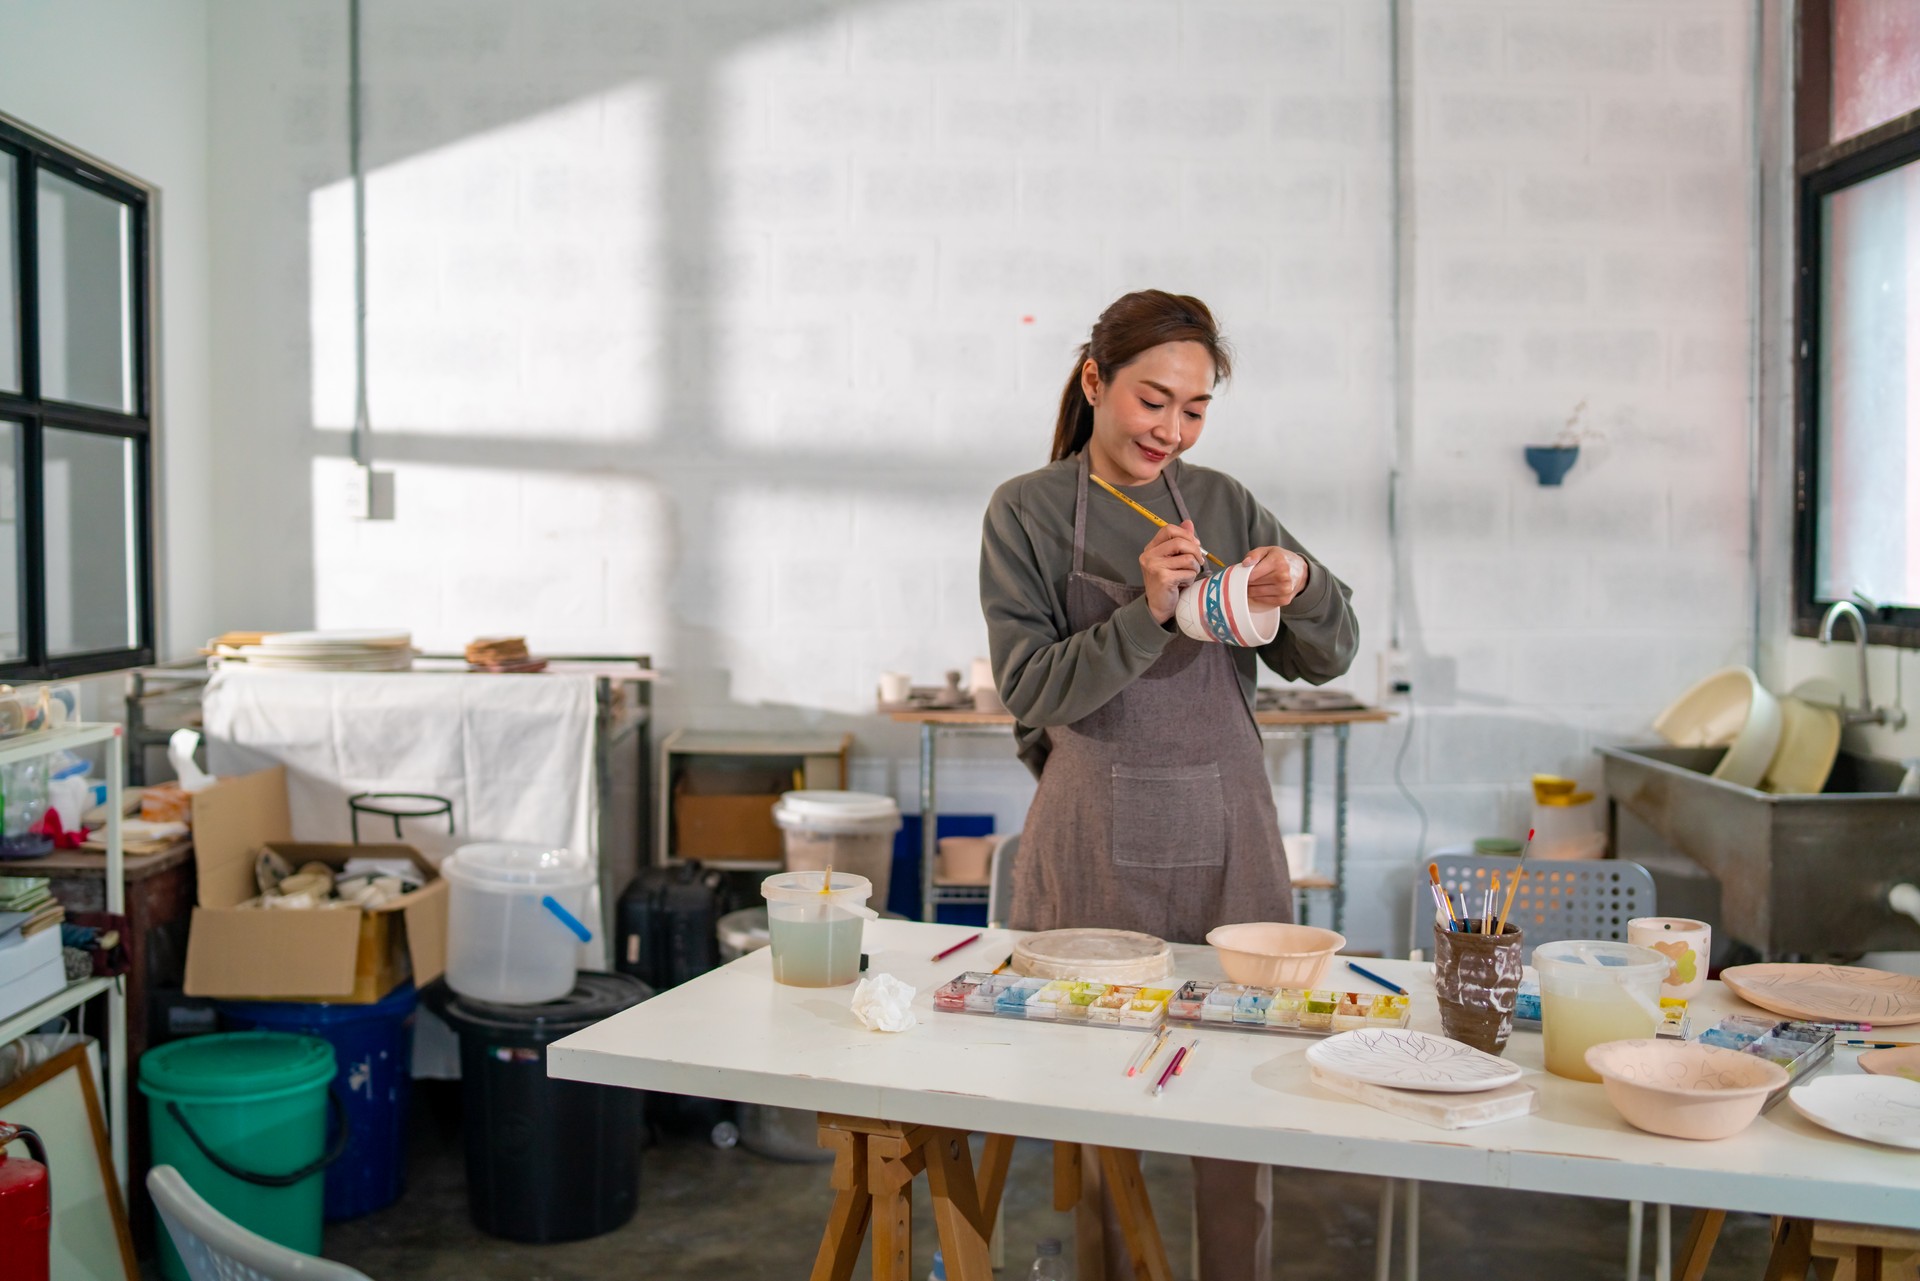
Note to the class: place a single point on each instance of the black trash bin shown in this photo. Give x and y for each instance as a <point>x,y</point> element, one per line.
<point>547,1160</point>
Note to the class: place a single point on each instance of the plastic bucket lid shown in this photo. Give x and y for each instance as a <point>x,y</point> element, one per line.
<point>849,813</point>
<point>595,996</point>
<point>237,1065</point>
<point>508,867</point>
<point>804,887</point>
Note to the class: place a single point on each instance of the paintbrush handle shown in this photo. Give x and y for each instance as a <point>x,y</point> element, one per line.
<point>1506,909</point>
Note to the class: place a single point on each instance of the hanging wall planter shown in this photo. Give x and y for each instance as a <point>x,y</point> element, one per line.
<point>1552,462</point>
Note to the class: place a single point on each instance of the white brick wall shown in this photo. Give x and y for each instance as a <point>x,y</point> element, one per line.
<point>706,331</point>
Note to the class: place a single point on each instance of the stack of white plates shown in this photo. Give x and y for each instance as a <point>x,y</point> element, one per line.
<point>334,651</point>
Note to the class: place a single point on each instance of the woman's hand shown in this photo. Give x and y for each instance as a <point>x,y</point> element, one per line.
<point>1171,561</point>
<point>1278,576</point>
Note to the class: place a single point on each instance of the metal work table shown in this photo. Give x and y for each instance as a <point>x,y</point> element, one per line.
<point>1303,726</point>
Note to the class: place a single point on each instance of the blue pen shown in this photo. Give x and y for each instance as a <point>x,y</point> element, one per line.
<point>1370,976</point>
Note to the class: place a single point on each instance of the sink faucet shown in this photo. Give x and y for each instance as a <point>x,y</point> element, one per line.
<point>1868,714</point>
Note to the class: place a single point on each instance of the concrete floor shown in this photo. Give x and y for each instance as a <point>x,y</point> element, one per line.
<point>707,1213</point>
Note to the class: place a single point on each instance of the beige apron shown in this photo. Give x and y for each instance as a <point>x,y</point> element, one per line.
<point>1154,812</point>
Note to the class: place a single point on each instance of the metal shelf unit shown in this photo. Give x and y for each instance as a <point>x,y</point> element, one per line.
<point>27,747</point>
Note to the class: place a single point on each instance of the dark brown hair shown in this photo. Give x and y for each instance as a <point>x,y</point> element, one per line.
<point>1131,325</point>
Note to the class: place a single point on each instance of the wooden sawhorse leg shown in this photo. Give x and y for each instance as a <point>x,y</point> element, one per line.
<point>874,1166</point>
<point>1080,1174</point>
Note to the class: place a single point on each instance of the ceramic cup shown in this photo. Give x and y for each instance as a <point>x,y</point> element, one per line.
<point>1477,978</point>
<point>986,698</point>
<point>895,687</point>
<point>1216,608</point>
<point>1687,943</point>
<point>964,860</point>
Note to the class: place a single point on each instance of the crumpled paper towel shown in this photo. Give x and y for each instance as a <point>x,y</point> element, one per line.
<point>884,1004</point>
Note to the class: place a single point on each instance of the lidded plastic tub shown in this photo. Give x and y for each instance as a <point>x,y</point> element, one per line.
<point>1593,991</point>
<point>516,917</point>
<point>849,831</point>
<point>815,928</point>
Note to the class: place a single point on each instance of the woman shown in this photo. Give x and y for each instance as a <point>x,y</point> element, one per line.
<point>1154,812</point>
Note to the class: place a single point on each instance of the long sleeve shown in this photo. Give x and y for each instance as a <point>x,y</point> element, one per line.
<point>1318,634</point>
<point>1048,674</point>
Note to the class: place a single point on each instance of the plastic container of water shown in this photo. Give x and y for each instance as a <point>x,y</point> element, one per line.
<point>847,831</point>
<point>1047,1263</point>
<point>516,917</point>
<point>814,926</point>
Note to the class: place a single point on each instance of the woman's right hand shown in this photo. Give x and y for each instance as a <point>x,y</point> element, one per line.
<point>1171,560</point>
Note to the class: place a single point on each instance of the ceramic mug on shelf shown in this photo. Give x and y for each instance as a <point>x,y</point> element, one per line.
<point>1216,608</point>
<point>895,687</point>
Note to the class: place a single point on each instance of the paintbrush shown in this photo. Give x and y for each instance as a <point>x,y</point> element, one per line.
<point>1493,896</point>
<point>1217,562</point>
<point>1144,1055</point>
<point>1519,870</point>
<point>1433,874</point>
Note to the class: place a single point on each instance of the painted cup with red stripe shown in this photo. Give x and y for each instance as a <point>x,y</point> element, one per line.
<point>1216,608</point>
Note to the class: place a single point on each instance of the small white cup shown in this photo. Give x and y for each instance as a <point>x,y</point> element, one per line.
<point>1684,942</point>
<point>895,687</point>
<point>1216,608</point>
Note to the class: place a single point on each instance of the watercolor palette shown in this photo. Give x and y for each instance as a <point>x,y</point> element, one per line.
<point>1054,1000</point>
<point>1309,1011</point>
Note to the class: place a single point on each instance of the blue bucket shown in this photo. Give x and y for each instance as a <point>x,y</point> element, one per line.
<point>373,1045</point>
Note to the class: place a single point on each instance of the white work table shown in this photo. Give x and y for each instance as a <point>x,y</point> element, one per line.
<point>736,1034</point>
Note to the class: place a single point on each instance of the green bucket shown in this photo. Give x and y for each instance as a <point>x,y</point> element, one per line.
<point>243,1117</point>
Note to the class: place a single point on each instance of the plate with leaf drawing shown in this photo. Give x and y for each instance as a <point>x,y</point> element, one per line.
<point>1408,1060</point>
<point>1879,1109</point>
<point>1829,993</point>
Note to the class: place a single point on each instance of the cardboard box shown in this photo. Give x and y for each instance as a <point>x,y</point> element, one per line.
<point>347,955</point>
<point>725,827</point>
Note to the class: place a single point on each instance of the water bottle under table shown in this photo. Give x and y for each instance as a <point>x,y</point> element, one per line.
<point>1047,1263</point>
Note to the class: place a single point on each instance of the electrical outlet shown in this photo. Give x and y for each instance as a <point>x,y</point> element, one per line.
<point>369,494</point>
<point>1396,675</point>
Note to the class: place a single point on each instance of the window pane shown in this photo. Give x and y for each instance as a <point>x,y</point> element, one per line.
<point>9,275</point>
<point>88,503</point>
<point>1876,63</point>
<point>13,646</point>
<point>86,295</point>
<point>1867,517</point>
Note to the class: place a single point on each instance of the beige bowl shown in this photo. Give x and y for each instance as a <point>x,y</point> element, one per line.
<point>1728,709</point>
<point>1270,954</point>
<point>1684,1089</point>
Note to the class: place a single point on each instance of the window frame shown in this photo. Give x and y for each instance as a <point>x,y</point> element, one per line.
<point>34,413</point>
<point>1823,167</point>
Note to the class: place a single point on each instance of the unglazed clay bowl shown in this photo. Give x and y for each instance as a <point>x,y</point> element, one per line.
<point>1216,608</point>
<point>1272,954</point>
<point>1684,1089</point>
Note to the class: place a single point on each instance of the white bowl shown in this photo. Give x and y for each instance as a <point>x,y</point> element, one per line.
<point>1732,709</point>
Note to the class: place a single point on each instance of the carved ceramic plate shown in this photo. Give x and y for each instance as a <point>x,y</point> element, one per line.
<point>1106,956</point>
<point>1879,1109</point>
<point>1901,1061</point>
<point>1829,993</point>
<point>1408,1060</point>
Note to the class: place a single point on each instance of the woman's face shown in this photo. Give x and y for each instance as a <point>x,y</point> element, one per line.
<point>1151,412</point>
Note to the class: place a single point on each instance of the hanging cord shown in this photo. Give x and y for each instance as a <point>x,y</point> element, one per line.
<point>362,422</point>
<point>1406,741</point>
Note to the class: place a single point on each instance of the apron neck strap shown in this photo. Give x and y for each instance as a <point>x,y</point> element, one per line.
<point>1080,514</point>
<point>1173,488</point>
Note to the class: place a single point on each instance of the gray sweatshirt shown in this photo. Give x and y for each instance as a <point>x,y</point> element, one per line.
<point>1050,675</point>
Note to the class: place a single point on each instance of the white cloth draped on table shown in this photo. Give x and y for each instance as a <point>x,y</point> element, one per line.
<point>513,753</point>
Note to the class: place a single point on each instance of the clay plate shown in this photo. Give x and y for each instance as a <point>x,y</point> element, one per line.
<point>1829,993</point>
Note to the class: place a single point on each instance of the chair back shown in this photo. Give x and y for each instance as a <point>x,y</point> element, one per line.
<point>215,1248</point>
<point>1000,880</point>
<point>1557,899</point>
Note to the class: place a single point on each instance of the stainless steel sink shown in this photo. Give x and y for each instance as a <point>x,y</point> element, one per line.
<point>1798,874</point>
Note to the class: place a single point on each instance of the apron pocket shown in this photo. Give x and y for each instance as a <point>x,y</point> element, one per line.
<point>1169,816</point>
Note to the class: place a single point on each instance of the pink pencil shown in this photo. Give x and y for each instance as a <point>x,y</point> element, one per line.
<point>1173,1065</point>
<point>941,956</point>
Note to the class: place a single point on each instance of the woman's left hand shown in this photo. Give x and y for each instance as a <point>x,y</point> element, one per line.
<point>1278,576</point>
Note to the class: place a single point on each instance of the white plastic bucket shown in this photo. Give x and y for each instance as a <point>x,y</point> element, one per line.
<point>851,831</point>
<point>516,917</point>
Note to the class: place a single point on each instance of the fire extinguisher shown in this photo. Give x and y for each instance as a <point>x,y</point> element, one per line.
<point>26,1206</point>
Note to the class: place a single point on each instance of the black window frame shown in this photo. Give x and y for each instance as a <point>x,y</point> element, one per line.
<point>33,413</point>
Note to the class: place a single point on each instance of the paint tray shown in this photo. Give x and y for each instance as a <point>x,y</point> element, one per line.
<point>1300,1011</point>
<point>1039,1000</point>
<point>1799,1048</point>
